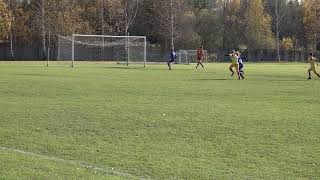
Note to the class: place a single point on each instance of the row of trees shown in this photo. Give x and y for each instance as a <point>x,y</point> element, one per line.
<point>5,20</point>
<point>216,24</point>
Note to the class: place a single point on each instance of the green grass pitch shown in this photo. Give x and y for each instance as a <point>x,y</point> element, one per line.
<point>100,121</point>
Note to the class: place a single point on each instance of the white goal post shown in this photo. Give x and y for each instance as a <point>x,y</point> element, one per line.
<point>190,56</point>
<point>122,49</point>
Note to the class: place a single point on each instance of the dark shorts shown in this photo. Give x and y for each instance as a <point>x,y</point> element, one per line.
<point>171,61</point>
<point>241,67</point>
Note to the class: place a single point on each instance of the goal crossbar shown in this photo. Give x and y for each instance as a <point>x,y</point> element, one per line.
<point>92,44</point>
<point>109,36</point>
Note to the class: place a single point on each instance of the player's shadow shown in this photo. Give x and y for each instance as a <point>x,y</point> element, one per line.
<point>34,74</point>
<point>212,79</point>
<point>124,67</point>
<point>270,80</point>
<point>285,80</point>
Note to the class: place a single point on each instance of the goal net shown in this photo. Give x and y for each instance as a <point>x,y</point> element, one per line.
<point>101,48</point>
<point>189,56</point>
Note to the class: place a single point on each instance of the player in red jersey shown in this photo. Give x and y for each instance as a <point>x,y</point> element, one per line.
<point>200,57</point>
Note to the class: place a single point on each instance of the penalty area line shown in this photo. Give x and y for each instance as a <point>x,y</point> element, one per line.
<point>106,170</point>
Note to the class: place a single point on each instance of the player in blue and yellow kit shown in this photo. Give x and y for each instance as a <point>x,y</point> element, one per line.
<point>172,58</point>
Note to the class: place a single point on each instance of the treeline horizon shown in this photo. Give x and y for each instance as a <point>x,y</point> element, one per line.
<point>184,24</point>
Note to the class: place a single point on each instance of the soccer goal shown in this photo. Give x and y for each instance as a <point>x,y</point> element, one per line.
<point>189,56</point>
<point>101,48</point>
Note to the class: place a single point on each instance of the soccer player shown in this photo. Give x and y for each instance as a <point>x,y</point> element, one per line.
<point>241,65</point>
<point>172,58</point>
<point>200,57</point>
<point>313,64</point>
<point>234,63</point>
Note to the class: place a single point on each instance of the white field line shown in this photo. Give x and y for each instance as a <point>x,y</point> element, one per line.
<point>108,171</point>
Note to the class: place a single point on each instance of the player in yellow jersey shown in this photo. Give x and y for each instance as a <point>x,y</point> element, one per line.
<point>234,63</point>
<point>313,65</point>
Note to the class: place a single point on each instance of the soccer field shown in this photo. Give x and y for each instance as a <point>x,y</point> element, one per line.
<point>102,121</point>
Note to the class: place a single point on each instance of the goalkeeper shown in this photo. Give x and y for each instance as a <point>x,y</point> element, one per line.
<point>200,57</point>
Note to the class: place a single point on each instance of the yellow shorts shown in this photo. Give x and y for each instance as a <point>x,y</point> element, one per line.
<point>312,68</point>
<point>234,65</point>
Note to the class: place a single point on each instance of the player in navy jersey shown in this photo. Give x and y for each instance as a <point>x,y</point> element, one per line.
<point>172,58</point>
<point>241,65</point>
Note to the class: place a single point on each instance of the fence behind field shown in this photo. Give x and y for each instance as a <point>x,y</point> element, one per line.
<point>266,55</point>
<point>33,51</point>
<point>24,51</point>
